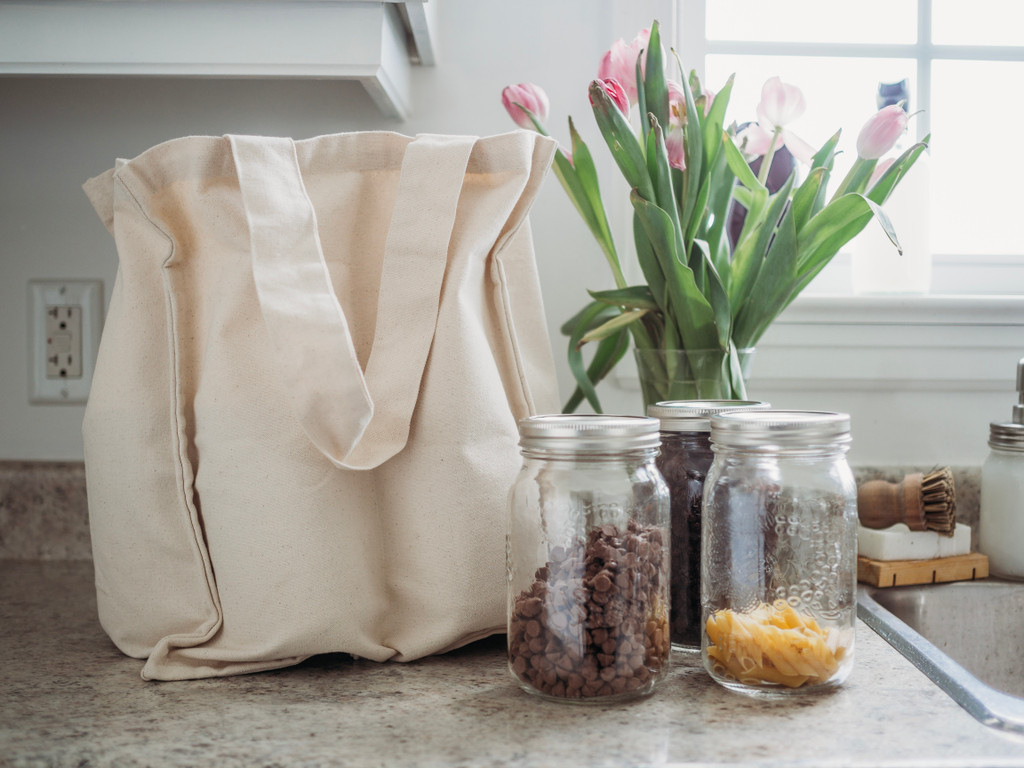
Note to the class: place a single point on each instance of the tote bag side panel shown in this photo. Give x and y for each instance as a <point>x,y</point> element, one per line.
<point>152,578</point>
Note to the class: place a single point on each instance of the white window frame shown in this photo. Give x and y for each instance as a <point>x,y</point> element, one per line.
<point>921,376</point>
<point>954,273</point>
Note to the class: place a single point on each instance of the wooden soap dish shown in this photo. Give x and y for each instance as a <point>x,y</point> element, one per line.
<point>897,573</point>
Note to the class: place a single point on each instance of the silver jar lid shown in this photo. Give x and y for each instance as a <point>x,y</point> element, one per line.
<point>1009,436</point>
<point>588,432</point>
<point>695,415</point>
<point>783,429</point>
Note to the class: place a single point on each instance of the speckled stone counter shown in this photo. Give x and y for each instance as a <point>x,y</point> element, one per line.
<point>69,698</point>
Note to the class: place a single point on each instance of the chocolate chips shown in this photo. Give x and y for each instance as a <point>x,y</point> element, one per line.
<point>594,622</point>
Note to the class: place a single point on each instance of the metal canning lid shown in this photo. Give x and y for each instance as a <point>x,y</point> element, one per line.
<point>1009,436</point>
<point>785,429</point>
<point>695,415</point>
<point>586,432</point>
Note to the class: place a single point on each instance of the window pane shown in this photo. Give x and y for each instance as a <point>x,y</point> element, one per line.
<point>840,92</point>
<point>810,21</point>
<point>976,164</point>
<point>989,22</point>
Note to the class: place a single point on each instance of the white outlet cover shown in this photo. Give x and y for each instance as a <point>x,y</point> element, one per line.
<point>87,294</point>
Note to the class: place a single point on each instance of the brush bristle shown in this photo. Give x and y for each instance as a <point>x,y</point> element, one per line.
<point>938,496</point>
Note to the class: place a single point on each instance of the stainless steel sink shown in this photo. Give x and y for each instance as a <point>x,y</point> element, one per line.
<point>967,637</point>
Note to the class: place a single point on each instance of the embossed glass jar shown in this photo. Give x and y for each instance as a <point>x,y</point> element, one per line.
<point>684,462</point>
<point>779,554</point>
<point>588,559</point>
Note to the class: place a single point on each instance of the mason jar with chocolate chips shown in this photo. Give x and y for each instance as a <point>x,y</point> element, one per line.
<point>588,559</point>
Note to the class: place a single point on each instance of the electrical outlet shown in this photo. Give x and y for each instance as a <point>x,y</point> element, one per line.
<point>65,321</point>
<point>64,342</point>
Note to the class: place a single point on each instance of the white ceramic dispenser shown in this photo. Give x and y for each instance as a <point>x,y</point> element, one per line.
<point>1001,525</point>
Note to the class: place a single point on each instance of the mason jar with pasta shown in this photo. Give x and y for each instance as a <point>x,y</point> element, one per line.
<point>779,552</point>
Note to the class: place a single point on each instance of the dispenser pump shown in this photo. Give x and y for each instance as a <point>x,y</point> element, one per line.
<point>1010,435</point>
<point>1018,409</point>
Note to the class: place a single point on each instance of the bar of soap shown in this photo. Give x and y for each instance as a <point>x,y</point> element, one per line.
<point>898,542</point>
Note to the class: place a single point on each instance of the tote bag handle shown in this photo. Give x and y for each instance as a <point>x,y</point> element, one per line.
<point>357,419</point>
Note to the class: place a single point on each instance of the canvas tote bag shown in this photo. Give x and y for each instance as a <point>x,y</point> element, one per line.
<point>302,424</point>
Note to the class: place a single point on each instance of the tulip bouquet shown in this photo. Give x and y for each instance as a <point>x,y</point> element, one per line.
<point>709,293</point>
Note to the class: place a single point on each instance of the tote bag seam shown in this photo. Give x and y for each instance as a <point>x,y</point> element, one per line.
<point>509,315</point>
<point>208,628</point>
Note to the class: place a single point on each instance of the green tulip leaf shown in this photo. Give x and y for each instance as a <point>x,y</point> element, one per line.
<point>654,86</point>
<point>585,173</point>
<point>623,144</point>
<point>695,316</point>
<point>770,292</point>
<point>739,166</point>
<point>614,325</point>
<point>694,145</point>
<point>804,199</point>
<point>750,258</point>
<point>660,172</point>
<point>609,352</point>
<point>880,192</point>
<point>715,120</point>
<point>590,317</point>
<point>831,228</point>
<point>632,297</point>
<point>650,266</point>
<point>716,293</point>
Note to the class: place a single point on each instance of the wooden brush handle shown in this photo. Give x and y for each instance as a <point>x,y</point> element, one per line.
<point>881,503</point>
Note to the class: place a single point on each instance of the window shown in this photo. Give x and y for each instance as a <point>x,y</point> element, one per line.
<point>962,63</point>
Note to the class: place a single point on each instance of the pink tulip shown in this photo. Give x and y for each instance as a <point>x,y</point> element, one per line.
<point>676,103</point>
<point>881,132</point>
<point>780,104</point>
<point>676,146</point>
<point>709,99</point>
<point>880,170</point>
<point>616,93</point>
<point>619,63</point>
<point>754,140</point>
<point>524,99</point>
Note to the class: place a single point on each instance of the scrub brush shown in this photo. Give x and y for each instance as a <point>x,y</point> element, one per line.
<point>924,502</point>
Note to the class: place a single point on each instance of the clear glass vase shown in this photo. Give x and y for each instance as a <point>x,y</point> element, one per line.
<point>694,374</point>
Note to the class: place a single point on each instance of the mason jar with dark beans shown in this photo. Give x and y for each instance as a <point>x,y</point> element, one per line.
<point>684,462</point>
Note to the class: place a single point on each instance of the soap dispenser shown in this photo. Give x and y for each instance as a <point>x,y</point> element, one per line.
<point>1001,534</point>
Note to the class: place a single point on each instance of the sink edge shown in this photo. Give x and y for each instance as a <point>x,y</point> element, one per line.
<point>987,705</point>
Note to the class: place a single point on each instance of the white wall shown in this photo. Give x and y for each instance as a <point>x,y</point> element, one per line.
<point>57,132</point>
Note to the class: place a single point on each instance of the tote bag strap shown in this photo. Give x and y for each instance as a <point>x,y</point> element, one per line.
<point>357,420</point>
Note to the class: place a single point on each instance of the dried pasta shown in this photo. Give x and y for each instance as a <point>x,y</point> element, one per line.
<point>773,644</point>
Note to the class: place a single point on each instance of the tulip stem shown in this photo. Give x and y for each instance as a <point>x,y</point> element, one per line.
<point>766,161</point>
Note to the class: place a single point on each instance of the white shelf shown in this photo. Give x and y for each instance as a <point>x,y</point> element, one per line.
<point>374,43</point>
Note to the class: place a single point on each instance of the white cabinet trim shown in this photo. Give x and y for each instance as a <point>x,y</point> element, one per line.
<point>325,39</point>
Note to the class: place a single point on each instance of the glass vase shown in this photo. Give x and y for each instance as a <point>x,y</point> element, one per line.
<point>694,374</point>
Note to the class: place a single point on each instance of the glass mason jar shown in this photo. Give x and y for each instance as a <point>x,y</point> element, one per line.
<point>684,462</point>
<point>779,556</point>
<point>1001,519</point>
<point>588,558</point>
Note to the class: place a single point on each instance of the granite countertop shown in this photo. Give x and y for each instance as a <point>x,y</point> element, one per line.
<point>68,697</point>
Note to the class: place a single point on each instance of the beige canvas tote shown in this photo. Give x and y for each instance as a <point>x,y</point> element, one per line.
<point>302,424</point>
